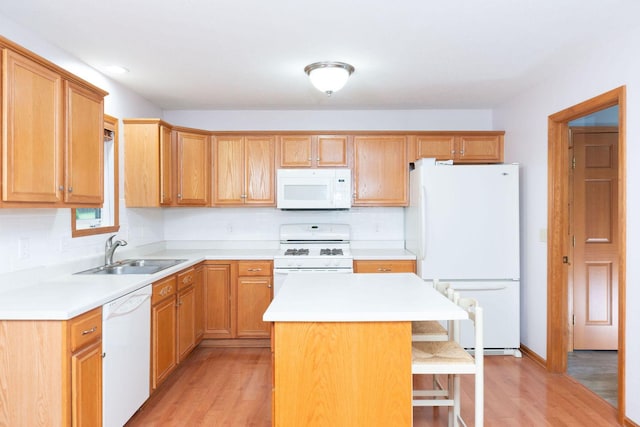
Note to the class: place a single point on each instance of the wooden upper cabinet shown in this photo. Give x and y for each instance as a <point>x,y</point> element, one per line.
<point>244,170</point>
<point>478,147</point>
<point>146,165</point>
<point>165,166</point>
<point>52,143</point>
<point>85,164</point>
<point>193,168</point>
<point>380,172</point>
<point>302,151</point>
<point>32,170</point>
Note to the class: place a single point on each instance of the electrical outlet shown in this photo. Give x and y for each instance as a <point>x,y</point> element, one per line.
<point>23,248</point>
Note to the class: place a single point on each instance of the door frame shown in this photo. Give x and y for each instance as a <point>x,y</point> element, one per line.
<point>558,219</point>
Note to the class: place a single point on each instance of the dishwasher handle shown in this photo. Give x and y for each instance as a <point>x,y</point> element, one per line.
<point>128,305</point>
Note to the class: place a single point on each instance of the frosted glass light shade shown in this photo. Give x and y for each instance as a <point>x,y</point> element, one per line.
<point>329,77</point>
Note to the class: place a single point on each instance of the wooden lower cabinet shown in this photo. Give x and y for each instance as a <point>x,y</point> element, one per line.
<point>237,293</point>
<point>163,330</point>
<point>199,304</point>
<point>51,371</point>
<point>86,389</point>
<point>254,293</point>
<point>186,307</point>
<point>217,300</point>
<point>384,266</point>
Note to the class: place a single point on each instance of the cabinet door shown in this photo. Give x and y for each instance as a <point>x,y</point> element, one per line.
<point>381,266</point>
<point>193,166</point>
<point>86,386</point>
<point>84,146</point>
<point>380,171</point>
<point>228,170</point>
<point>217,296</point>
<point>332,151</point>
<point>186,322</point>
<point>33,143</point>
<point>167,156</point>
<point>440,147</point>
<point>254,296</point>
<point>163,340</point>
<point>479,148</point>
<point>199,308</point>
<point>143,157</point>
<point>260,171</point>
<point>295,151</point>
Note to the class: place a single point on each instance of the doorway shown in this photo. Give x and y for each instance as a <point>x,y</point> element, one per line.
<point>560,245</point>
<point>593,271</point>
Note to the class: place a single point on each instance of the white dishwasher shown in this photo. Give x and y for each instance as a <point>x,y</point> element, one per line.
<point>126,344</point>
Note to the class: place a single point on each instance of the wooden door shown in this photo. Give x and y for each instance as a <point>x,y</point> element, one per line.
<point>86,386</point>
<point>260,171</point>
<point>163,340</point>
<point>84,164</point>
<point>192,169</point>
<point>480,148</point>
<point>33,146</point>
<point>295,151</point>
<point>167,157</point>
<point>217,297</point>
<point>381,171</point>
<point>332,151</point>
<point>254,296</point>
<point>199,303</point>
<point>228,170</point>
<point>595,255</point>
<point>186,322</point>
<point>440,147</point>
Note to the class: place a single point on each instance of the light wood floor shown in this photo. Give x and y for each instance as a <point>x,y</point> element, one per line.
<point>231,387</point>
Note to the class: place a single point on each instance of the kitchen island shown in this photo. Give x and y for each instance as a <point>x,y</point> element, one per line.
<point>342,347</point>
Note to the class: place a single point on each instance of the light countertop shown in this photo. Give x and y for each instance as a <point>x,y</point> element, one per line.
<point>61,295</point>
<point>320,297</point>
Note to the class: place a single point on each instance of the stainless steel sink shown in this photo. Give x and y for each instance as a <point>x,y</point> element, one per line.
<point>134,266</point>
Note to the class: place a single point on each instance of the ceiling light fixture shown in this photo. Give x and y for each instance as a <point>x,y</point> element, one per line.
<point>328,76</point>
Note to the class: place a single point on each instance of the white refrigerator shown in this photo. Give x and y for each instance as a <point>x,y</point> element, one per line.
<point>463,225</point>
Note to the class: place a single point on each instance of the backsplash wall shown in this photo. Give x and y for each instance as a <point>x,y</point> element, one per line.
<point>367,224</point>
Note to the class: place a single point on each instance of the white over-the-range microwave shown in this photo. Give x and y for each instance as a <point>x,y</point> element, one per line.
<point>314,188</point>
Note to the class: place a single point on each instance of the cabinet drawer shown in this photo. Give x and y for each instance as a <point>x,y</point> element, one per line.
<point>85,328</point>
<point>255,268</point>
<point>396,266</point>
<point>186,278</point>
<point>163,289</point>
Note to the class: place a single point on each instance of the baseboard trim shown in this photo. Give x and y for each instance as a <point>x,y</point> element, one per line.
<point>533,356</point>
<point>241,342</point>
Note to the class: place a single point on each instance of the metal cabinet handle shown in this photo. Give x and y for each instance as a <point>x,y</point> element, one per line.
<point>384,269</point>
<point>70,190</point>
<point>89,331</point>
<point>255,269</point>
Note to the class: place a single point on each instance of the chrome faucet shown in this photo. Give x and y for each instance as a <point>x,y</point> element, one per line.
<point>110,247</point>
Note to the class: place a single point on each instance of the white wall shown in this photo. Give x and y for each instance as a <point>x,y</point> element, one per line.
<point>570,80</point>
<point>36,237</point>
<point>382,225</point>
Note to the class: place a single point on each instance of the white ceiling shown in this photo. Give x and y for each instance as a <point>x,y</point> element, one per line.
<point>250,54</point>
